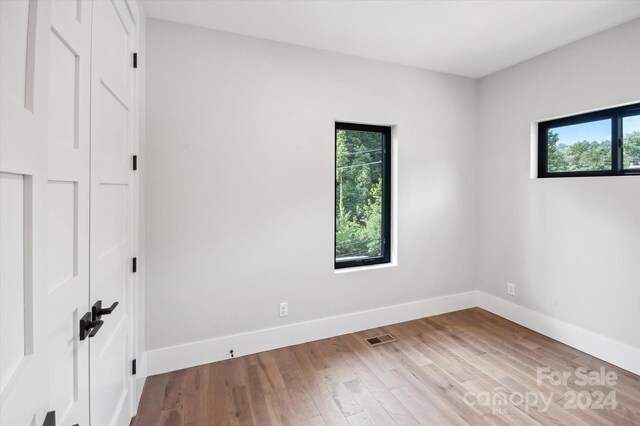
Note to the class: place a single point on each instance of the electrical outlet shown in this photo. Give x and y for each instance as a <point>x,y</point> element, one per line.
<point>511,289</point>
<point>284,309</point>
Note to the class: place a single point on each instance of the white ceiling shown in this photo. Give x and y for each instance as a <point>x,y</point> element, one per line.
<point>470,38</point>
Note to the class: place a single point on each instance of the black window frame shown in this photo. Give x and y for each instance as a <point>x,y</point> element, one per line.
<point>617,149</point>
<point>386,195</point>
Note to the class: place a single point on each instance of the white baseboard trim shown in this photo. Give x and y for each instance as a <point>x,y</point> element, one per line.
<point>197,353</point>
<point>609,350</point>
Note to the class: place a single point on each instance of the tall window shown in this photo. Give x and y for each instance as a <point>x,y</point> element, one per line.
<point>601,143</point>
<point>363,195</point>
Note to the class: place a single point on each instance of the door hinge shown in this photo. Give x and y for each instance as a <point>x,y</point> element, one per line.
<point>134,265</point>
<point>50,419</point>
<point>135,60</point>
<point>133,367</point>
<point>135,162</point>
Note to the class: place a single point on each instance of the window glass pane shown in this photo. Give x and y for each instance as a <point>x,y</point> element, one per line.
<point>631,142</point>
<point>580,147</point>
<point>359,173</point>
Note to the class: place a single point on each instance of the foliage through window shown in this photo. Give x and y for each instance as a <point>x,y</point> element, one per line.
<point>362,199</point>
<point>601,143</point>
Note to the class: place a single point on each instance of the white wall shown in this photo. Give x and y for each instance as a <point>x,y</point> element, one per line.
<point>572,246</point>
<point>240,182</point>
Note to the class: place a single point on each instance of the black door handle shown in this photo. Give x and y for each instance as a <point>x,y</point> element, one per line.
<point>89,328</point>
<point>98,311</point>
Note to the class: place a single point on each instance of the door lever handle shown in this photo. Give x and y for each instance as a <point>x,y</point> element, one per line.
<point>98,311</point>
<point>96,328</point>
<point>89,327</point>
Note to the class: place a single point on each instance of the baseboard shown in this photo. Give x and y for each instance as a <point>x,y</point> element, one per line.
<point>609,350</point>
<point>191,354</point>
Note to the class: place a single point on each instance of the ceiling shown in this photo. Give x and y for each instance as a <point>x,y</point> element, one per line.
<point>469,38</point>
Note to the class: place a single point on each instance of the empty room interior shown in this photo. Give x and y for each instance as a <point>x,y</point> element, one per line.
<point>319,212</point>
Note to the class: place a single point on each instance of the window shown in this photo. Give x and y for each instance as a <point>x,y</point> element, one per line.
<point>363,195</point>
<point>601,143</point>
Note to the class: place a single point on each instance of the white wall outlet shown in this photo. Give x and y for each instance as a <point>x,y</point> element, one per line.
<point>284,309</point>
<point>511,289</point>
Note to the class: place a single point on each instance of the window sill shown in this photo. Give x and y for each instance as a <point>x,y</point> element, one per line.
<point>364,268</point>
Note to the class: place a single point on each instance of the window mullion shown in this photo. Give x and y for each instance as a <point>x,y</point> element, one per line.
<point>615,146</point>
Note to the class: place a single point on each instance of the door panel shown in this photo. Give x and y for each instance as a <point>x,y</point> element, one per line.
<point>16,26</point>
<point>23,167</point>
<point>111,210</point>
<point>68,208</point>
<point>12,292</point>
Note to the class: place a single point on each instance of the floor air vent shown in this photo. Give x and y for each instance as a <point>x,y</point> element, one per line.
<point>379,340</point>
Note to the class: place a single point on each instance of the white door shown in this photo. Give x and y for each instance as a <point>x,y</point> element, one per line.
<point>24,39</point>
<point>47,92</point>
<point>68,208</point>
<point>112,203</point>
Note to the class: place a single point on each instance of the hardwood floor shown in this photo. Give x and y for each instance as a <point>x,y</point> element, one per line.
<point>467,367</point>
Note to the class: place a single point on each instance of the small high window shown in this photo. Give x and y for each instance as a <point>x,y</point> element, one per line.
<point>363,195</point>
<point>601,143</point>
